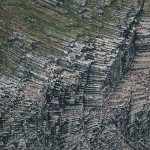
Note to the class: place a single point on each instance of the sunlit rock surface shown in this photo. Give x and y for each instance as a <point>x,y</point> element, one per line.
<point>74,75</point>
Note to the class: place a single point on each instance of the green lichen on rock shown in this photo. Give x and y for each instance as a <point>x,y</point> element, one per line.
<point>49,24</point>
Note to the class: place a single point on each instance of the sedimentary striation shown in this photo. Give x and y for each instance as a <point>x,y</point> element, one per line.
<point>74,75</point>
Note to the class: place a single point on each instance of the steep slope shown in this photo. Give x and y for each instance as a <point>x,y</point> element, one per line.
<point>60,60</point>
<point>128,108</point>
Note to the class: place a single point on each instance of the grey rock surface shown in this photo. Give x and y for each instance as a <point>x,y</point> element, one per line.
<point>94,97</point>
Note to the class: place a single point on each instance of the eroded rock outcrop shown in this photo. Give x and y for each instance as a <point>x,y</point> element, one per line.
<point>68,100</point>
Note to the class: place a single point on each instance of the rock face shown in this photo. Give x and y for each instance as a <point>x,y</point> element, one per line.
<point>81,2</point>
<point>128,107</point>
<point>71,93</point>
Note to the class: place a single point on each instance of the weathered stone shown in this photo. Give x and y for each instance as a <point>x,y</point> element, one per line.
<point>78,101</point>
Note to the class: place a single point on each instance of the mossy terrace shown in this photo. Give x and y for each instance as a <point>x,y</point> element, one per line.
<point>40,20</point>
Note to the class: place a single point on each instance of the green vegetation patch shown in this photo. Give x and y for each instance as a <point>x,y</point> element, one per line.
<point>36,21</point>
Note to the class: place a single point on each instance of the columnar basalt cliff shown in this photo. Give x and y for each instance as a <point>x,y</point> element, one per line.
<point>74,75</point>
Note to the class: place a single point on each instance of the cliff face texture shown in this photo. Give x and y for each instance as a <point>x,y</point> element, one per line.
<point>74,75</point>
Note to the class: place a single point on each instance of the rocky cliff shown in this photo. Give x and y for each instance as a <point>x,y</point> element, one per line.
<point>74,75</point>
